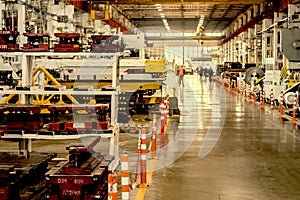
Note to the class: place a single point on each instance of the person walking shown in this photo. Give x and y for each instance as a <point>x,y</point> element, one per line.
<point>210,74</point>
<point>181,73</point>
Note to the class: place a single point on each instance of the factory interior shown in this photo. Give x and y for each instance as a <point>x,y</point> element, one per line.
<point>149,100</point>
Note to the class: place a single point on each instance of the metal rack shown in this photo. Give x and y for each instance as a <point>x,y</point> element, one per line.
<point>25,140</point>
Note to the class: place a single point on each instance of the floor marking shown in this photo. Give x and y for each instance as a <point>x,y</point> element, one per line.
<point>142,191</point>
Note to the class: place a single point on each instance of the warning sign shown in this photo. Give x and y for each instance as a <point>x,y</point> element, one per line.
<point>201,29</point>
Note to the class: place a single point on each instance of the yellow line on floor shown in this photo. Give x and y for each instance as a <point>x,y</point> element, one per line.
<point>142,191</point>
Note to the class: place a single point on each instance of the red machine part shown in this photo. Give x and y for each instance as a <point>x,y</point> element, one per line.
<point>61,120</point>
<point>8,40</point>
<point>37,42</point>
<point>22,177</point>
<point>82,177</point>
<point>23,118</point>
<point>3,129</point>
<point>65,187</point>
<point>68,42</point>
<point>107,43</point>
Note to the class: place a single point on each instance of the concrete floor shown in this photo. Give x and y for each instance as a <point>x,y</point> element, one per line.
<point>226,148</point>
<point>221,148</point>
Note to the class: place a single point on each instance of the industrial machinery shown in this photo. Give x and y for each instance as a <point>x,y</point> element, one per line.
<point>107,43</point>
<point>233,71</point>
<point>55,119</point>
<point>253,74</point>
<point>141,85</point>
<point>38,42</point>
<point>83,176</point>
<point>24,178</point>
<point>291,49</point>
<point>68,42</point>
<point>8,40</point>
<point>10,24</point>
<point>6,78</point>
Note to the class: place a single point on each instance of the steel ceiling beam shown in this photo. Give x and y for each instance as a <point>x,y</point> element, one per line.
<point>205,2</point>
<point>171,19</point>
<point>201,37</point>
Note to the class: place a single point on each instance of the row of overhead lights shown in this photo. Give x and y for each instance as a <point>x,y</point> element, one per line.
<point>162,16</point>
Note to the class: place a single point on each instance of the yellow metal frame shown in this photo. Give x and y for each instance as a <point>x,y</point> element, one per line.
<point>55,82</point>
<point>42,100</point>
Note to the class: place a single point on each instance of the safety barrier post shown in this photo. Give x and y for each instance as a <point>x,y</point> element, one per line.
<point>260,95</point>
<point>234,86</point>
<point>281,106</point>
<point>143,183</point>
<point>125,176</point>
<point>295,107</point>
<point>162,117</point>
<point>240,88</point>
<point>113,186</point>
<point>249,93</point>
<point>153,145</point>
<point>166,101</point>
<point>272,99</point>
<point>245,89</point>
<point>254,94</point>
<point>263,97</point>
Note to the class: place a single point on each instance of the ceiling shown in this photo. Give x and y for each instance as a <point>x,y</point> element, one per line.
<point>183,16</point>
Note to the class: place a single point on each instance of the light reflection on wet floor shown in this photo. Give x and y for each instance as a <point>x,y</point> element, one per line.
<point>247,153</point>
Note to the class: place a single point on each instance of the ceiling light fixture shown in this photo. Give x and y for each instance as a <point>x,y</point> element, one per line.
<point>163,17</point>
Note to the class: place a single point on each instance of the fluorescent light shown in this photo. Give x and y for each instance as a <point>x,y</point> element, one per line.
<point>158,6</point>
<point>159,10</point>
<point>162,15</point>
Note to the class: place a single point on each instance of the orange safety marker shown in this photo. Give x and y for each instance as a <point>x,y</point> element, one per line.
<point>254,94</point>
<point>272,99</point>
<point>263,97</point>
<point>153,146</point>
<point>124,177</point>
<point>295,107</point>
<point>166,101</point>
<point>281,106</point>
<point>234,86</point>
<point>143,183</point>
<point>249,94</point>
<point>241,88</point>
<point>162,118</point>
<point>138,157</point>
<point>260,95</point>
<point>245,89</point>
<point>112,186</point>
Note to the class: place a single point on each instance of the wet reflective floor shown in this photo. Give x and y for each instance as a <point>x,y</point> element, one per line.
<point>225,148</point>
<point>222,147</point>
